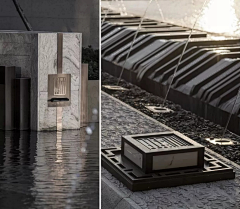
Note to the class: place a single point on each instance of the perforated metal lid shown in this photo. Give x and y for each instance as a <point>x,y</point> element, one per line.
<point>159,142</point>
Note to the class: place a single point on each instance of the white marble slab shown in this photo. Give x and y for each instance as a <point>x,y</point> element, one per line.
<point>71,114</point>
<point>46,115</point>
<point>47,58</point>
<point>72,44</point>
<point>72,47</point>
<point>176,160</point>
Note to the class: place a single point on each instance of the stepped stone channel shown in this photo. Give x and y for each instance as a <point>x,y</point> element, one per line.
<point>208,77</point>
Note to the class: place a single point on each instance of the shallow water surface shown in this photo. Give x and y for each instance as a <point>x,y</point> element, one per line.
<point>49,169</point>
<point>221,17</point>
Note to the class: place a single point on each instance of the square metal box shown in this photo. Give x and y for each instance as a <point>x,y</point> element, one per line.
<point>162,151</point>
<point>59,90</point>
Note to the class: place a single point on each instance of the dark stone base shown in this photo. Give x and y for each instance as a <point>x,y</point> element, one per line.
<point>136,180</point>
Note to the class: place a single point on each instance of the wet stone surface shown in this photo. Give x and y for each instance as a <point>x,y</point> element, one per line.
<point>49,169</point>
<point>119,119</point>
<point>186,122</point>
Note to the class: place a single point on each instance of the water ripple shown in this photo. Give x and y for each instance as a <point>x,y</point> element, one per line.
<point>49,170</point>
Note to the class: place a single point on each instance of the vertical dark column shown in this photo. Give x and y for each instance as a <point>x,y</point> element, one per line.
<point>59,71</point>
<point>2,97</point>
<point>59,52</point>
<point>10,75</point>
<point>7,76</point>
<point>84,96</point>
<point>2,149</point>
<point>22,103</point>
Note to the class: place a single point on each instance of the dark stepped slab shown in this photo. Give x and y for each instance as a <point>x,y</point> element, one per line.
<point>207,79</point>
<point>136,180</point>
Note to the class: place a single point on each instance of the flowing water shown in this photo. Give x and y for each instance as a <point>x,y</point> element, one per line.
<point>49,169</point>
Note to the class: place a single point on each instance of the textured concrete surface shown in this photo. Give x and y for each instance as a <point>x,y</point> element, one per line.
<point>55,15</point>
<point>119,119</point>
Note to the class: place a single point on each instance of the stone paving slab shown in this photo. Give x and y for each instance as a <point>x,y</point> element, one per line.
<point>120,119</point>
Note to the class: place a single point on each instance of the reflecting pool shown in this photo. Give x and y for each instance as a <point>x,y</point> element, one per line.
<point>49,169</point>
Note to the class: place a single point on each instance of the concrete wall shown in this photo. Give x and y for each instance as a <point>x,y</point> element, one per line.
<point>55,15</point>
<point>36,54</point>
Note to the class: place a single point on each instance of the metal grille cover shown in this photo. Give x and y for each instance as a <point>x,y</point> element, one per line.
<point>162,151</point>
<point>59,90</point>
<point>159,142</point>
<point>60,86</point>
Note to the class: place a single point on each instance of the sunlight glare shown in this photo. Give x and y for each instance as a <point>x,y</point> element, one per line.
<point>219,16</point>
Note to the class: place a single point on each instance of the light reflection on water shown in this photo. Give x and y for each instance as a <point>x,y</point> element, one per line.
<point>49,169</point>
<point>219,16</point>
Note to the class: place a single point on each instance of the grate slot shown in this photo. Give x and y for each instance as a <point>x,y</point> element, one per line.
<point>60,86</point>
<point>216,166</point>
<point>178,141</point>
<point>171,174</point>
<point>163,142</point>
<point>170,142</point>
<point>121,166</point>
<point>157,143</point>
<point>144,143</point>
<point>140,177</point>
<point>151,143</point>
<point>114,160</point>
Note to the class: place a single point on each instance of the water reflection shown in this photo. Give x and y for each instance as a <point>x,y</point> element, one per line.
<point>49,169</point>
<point>219,17</point>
